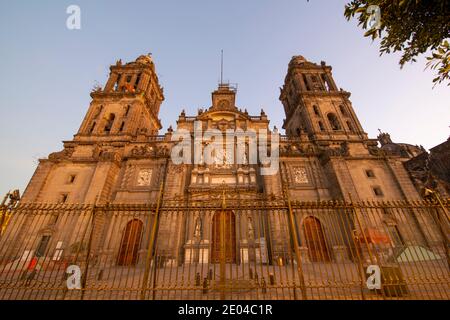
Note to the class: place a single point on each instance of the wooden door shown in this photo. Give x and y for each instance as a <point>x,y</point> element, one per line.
<point>131,241</point>
<point>315,240</point>
<point>229,237</point>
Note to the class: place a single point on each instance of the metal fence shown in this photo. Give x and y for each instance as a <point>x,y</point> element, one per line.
<point>228,247</point>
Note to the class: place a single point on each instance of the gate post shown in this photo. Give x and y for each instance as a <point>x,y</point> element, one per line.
<point>441,224</point>
<point>89,247</point>
<point>294,241</point>
<point>222,249</point>
<point>151,245</point>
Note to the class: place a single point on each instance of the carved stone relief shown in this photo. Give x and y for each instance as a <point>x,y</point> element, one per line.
<point>144,178</point>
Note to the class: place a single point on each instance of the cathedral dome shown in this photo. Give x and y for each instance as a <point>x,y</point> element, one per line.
<point>402,149</point>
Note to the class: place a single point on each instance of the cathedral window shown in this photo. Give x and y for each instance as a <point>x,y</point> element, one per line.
<point>343,111</point>
<point>377,191</point>
<point>127,110</point>
<point>122,126</point>
<point>370,173</point>
<point>350,127</point>
<point>306,83</point>
<point>71,179</point>
<point>316,110</point>
<point>334,122</point>
<point>116,86</point>
<point>325,82</point>
<point>137,81</point>
<point>322,128</point>
<point>110,122</point>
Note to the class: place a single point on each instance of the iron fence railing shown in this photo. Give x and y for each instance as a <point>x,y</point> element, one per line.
<point>228,247</point>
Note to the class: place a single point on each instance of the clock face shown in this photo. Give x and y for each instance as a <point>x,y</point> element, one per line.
<point>144,177</point>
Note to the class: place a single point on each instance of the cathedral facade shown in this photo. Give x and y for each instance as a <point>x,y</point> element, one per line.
<point>118,155</point>
<point>123,170</point>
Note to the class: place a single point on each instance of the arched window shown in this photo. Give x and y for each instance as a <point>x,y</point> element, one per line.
<point>116,85</point>
<point>343,111</point>
<point>138,78</point>
<point>334,122</point>
<point>350,127</point>
<point>316,110</point>
<point>122,126</point>
<point>306,82</point>
<point>92,127</point>
<point>110,122</point>
<point>322,128</point>
<point>325,82</point>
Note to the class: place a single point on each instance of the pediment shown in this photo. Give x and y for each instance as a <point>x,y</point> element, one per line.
<point>223,115</point>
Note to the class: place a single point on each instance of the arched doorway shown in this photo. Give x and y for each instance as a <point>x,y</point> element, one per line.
<point>315,240</point>
<point>229,236</point>
<point>131,241</point>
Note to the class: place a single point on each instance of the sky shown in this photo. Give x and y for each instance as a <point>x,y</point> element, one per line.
<point>47,71</point>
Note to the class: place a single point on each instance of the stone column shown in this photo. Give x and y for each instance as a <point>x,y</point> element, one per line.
<point>310,83</point>
<point>111,81</point>
<point>299,79</point>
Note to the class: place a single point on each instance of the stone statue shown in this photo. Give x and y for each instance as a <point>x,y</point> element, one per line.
<point>198,228</point>
<point>251,232</point>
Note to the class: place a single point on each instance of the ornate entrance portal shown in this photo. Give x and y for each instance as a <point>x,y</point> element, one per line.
<point>315,240</point>
<point>228,230</point>
<point>129,246</point>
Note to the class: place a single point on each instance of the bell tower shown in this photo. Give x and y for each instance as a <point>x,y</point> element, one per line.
<point>128,104</point>
<point>313,104</point>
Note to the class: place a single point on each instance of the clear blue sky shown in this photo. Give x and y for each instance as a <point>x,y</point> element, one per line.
<point>47,71</point>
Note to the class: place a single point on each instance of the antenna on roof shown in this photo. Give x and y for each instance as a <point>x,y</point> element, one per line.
<point>221,67</point>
